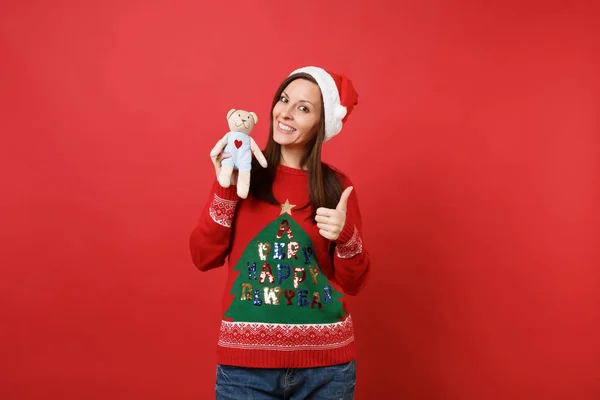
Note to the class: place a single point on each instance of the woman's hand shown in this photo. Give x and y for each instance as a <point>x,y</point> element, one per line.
<point>331,221</point>
<point>216,155</point>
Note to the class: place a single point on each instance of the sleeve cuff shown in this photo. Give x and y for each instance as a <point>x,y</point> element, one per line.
<point>349,244</point>
<point>229,193</point>
<point>347,232</point>
<point>223,204</point>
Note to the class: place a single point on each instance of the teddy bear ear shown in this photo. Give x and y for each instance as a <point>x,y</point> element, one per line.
<point>255,117</point>
<point>230,112</point>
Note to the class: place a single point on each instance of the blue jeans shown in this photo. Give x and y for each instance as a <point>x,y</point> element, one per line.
<point>334,382</point>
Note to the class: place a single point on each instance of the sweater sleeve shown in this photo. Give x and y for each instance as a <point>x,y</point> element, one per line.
<point>209,241</point>
<point>351,259</point>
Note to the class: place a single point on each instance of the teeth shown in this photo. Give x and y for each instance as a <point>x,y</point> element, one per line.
<point>286,128</point>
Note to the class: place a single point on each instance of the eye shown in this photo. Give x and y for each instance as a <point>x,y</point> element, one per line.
<point>303,109</point>
<point>283,99</point>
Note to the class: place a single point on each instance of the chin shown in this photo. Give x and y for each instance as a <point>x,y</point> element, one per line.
<point>282,138</point>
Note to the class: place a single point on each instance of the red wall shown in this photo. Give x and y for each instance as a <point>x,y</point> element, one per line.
<point>475,151</point>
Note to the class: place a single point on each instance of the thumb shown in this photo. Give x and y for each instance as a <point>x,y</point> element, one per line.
<point>344,199</point>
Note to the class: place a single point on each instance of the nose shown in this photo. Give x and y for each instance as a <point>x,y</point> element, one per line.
<point>286,112</point>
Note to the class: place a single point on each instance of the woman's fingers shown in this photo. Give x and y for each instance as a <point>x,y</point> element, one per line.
<point>330,222</point>
<point>327,212</point>
<point>322,226</point>
<point>219,157</point>
<point>327,235</point>
<point>321,218</point>
<point>333,220</point>
<point>217,162</point>
<point>329,231</point>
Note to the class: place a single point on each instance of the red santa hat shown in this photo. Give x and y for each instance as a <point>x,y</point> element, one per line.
<point>339,97</point>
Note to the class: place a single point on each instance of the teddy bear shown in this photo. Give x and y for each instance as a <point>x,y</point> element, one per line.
<point>238,143</point>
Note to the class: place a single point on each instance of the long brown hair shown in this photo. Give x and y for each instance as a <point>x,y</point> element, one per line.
<point>324,186</point>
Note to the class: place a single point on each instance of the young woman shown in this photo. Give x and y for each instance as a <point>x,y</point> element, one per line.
<point>294,248</point>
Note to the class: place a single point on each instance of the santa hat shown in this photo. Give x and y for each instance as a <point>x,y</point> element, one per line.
<point>339,97</point>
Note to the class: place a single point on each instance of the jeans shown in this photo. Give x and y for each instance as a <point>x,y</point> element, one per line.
<point>238,383</point>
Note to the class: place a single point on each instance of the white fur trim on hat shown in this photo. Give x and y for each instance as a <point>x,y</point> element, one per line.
<point>334,111</point>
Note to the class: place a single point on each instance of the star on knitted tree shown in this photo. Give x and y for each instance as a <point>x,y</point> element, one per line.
<point>286,208</point>
<point>280,281</point>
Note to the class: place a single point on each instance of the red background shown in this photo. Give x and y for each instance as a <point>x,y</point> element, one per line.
<point>475,152</point>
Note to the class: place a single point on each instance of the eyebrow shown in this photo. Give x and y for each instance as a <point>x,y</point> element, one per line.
<point>301,101</point>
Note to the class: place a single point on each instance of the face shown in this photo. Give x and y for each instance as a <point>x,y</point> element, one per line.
<point>297,114</point>
<point>241,121</point>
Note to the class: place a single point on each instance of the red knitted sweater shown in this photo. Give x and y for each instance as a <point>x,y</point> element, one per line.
<point>283,305</point>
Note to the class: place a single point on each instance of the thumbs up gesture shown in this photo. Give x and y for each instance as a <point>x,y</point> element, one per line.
<point>331,221</point>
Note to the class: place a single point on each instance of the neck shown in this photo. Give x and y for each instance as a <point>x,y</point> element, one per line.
<point>291,157</point>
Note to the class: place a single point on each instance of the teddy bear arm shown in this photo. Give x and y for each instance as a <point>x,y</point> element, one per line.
<point>258,154</point>
<point>219,146</point>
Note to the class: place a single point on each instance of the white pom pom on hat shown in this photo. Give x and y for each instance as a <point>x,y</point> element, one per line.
<point>339,97</point>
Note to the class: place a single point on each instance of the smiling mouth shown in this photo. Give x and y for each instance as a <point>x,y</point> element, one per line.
<point>242,123</point>
<point>285,128</point>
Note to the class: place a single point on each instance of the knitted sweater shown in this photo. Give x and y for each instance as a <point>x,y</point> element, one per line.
<point>283,304</point>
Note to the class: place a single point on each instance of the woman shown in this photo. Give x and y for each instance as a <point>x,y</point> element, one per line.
<point>294,246</point>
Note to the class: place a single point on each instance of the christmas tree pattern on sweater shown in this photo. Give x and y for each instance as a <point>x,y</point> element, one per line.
<point>281,298</point>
